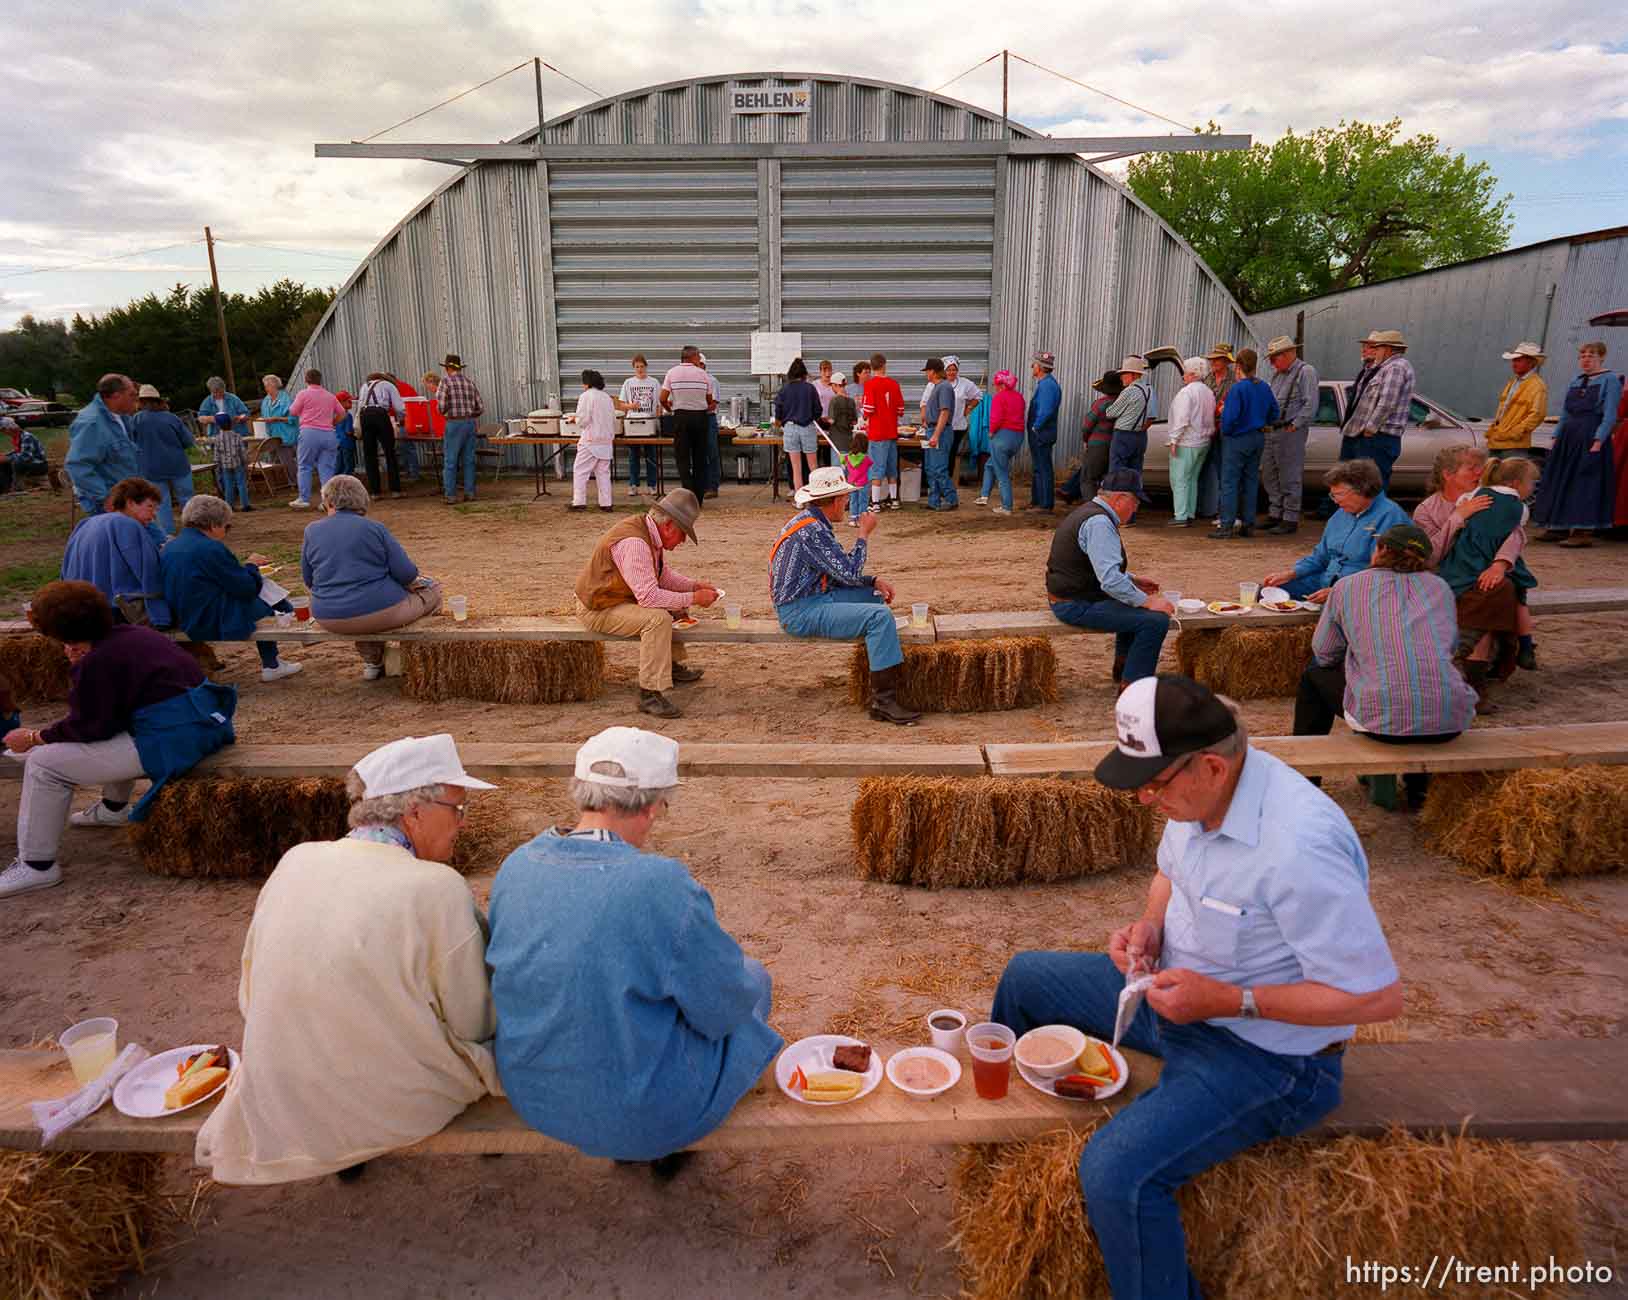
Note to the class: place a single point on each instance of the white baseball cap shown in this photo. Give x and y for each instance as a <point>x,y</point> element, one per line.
<point>649,760</point>
<point>412,762</point>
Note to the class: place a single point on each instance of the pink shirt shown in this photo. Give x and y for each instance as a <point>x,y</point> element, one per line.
<point>316,408</point>
<point>668,590</point>
<point>1435,515</point>
<point>1006,412</point>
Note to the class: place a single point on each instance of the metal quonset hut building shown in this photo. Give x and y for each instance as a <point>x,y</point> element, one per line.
<point>533,270</point>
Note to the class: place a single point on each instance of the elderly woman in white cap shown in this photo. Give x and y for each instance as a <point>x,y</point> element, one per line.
<point>368,1018</point>
<point>1192,431</point>
<point>629,1021</point>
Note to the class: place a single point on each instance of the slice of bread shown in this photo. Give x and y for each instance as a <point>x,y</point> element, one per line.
<point>198,1084</point>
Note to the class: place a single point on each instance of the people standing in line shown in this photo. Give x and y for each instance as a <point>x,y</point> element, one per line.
<point>596,442</point>
<point>1380,414</point>
<point>1192,432</point>
<point>1219,382</point>
<point>1579,488</point>
<point>639,395</point>
<point>856,464</point>
<point>1096,439</point>
<point>1132,411</point>
<point>1249,409</point>
<point>100,449</point>
<point>1041,422</point>
<point>843,413</point>
<point>1283,462</point>
<point>161,450</point>
<point>459,400</point>
<point>827,389</point>
<point>935,455</point>
<point>715,465</point>
<point>860,376</point>
<point>1005,439</point>
<point>796,420</point>
<point>225,419</point>
<point>274,408</point>
<point>345,435</point>
<point>967,396</point>
<point>880,411</point>
<point>382,412</point>
<point>1362,513</point>
<point>317,413</point>
<point>686,392</point>
<point>1523,402</point>
<point>406,448</point>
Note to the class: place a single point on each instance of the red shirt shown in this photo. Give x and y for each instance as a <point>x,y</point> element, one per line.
<point>884,400</point>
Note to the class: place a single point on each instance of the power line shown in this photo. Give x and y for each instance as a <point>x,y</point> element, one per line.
<point>98,261</point>
<point>570,78</point>
<point>445,102</point>
<point>297,252</point>
<point>1097,90</point>
<point>968,72</point>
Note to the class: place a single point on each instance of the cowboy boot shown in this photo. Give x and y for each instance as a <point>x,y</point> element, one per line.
<point>885,706</point>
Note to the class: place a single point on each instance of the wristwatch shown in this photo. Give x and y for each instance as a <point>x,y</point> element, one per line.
<point>1249,1011</point>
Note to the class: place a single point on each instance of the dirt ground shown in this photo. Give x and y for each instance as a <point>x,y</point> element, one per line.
<point>1479,960</point>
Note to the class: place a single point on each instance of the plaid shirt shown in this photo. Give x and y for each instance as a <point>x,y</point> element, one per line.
<point>229,449</point>
<point>458,397</point>
<point>1383,406</point>
<point>29,451</point>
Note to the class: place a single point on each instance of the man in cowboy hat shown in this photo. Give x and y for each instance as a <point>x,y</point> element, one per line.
<point>1132,412</point>
<point>1522,404</point>
<point>1041,427</point>
<point>1379,416</point>
<point>626,589</point>
<point>459,400</point>
<point>1283,463</point>
<point>820,590</point>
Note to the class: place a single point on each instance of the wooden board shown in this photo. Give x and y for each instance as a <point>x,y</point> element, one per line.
<point>1423,1087</point>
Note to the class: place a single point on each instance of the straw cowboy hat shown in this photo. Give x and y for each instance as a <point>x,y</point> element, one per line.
<point>148,391</point>
<point>1282,343</point>
<point>1135,364</point>
<point>1525,349</point>
<point>824,483</point>
<point>682,508</point>
<point>1387,339</point>
<point>1220,352</point>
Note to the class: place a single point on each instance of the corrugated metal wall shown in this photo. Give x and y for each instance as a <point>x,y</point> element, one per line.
<point>990,260</point>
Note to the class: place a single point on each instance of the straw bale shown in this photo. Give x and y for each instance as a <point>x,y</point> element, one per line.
<point>1247,663</point>
<point>1193,650</point>
<point>949,831</point>
<point>967,676</point>
<point>72,1222</point>
<point>1531,824</point>
<point>1278,1220</point>
<point>237,827</point>
<point>36,668</point>
<point>505,672</point>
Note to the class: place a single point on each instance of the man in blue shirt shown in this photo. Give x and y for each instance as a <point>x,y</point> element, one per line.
<point>1249,408</point>
<point>1362,513</point>
<point>1089,586</point>
<point>938,412</point>
<point>1264,952</point>
<point>1042,430</point>
<point>100,449</point>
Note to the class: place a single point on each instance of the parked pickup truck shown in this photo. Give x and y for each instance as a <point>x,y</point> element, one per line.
<point>28,410</point>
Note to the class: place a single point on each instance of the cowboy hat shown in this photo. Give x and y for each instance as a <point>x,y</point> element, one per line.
<point>1220,352</point>
<point>1387,339</point>
<point>680,505</point>
<point>824,483</point>
<point>148,391</point>
<point>452,361</point>
<point>1282,343</point>
<point>1135,364</point>
<point>1525,349</point>
<point>1110,385</point>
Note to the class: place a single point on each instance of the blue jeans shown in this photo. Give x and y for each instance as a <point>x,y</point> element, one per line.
<point>458,451</point>
<point>649,455</point>
<point>884,460</point>
<point>1127,450</point>
<point>318,452</point>
<point>1241,478</point>
<point>859,501</point>
<point>234,485</point>
<point>1044,489</point>
<point>1138,633</point>
<point>1382,449</point>
<point>173,494</point>
<point>407,453</point>
<point>1003,446</point>
<point>845,614</point>
<point>714,474</point>
<point>1217,1096</point>
<point>1209,485</point>
<point>345,461</point>
<point>935,468</point>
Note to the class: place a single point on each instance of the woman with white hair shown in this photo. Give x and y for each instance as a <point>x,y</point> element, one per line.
<point>276,411</point>
<point>1191,430</point>
<point>359,577</point>
<point>629,1021</point>
<point>225,419</point>
<point>367,1016</point>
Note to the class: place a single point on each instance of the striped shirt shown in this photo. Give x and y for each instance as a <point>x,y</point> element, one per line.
<point>1396,633</point>
<point>804,557</point>
<point>458,397</point>
<point>688,387</point>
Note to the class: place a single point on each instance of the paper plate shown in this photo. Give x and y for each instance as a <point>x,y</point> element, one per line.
<point>1048,1086</point>
<point>815,1053</point>
<point>1190,605</point>
<point>685,622</point>
<point>1219,607</point>
<point>1275,593</point>
<point>140,1094</point>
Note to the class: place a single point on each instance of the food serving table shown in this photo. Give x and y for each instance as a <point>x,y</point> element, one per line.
<point>539,462</point>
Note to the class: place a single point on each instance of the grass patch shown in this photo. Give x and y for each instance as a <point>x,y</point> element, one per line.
<point>19,582</point>
<point>513,512</point>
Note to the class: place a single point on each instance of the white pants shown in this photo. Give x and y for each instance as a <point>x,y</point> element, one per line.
<point>589,464</point>
<point>50,773</point>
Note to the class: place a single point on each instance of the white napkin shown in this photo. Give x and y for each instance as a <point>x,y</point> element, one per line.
<point>55,1117</point>
<point>272,592</point>
<point>1130,1002</point>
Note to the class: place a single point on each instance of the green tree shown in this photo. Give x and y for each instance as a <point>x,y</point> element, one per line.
<point>37,355</point>
<point>1309,214</point>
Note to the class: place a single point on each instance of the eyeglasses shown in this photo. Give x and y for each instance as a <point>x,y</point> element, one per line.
<point>460,808</point>
<point>1161,782</point>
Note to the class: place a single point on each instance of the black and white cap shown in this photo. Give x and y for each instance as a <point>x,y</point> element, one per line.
<point>1158,719</point>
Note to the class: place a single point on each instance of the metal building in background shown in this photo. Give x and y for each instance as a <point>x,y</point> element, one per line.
<point>1459,320</point>
<point>916,242</point>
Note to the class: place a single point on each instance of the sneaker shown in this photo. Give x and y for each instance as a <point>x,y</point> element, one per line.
<point>1220,535</point>
<point>98,814</point>
<point>980,501</point>
<point>874,508</point>
<point>372,672</point>
<point>20,878</point>
<point>632,490</point>
<point>1000,510</point>
<point>284,669</point>
<point>607,509</point>
<point>683,673</point>
<point>299,505</point>
<point>1284,528</point>
<point>893,503</point>
<point>657,705</point>
<point>398,496</point>
<point>853,521</point>
<point>1179,523</point>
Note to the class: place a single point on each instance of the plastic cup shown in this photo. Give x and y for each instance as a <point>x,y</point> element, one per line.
<point>91,1046</point>
<point>918,614</point>
<point>1174,597</point>
<point>285,618</point>
<point>459,605</point>
<point>302,608</point>
<point>946,1039</point>
<point>1248,592</point>
<point>991,1048</point>
<point>732,616</point>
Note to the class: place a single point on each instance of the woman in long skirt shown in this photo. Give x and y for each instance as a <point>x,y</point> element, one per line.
<point>1578,491</point>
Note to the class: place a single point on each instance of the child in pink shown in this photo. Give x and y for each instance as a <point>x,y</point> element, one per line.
<point>856,462</point>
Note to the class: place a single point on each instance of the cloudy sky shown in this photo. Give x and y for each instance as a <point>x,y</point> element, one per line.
<point>133,126</point>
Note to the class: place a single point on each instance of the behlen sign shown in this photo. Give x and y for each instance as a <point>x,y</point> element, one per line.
<point>770,99</point>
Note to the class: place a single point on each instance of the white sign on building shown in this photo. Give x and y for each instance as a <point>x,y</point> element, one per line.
<point>773,353</point>
<point>797,98</point>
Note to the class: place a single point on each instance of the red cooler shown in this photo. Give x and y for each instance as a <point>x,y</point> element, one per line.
<point>418,415</point>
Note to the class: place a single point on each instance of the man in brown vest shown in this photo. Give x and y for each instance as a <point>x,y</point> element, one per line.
<point>626,589</point>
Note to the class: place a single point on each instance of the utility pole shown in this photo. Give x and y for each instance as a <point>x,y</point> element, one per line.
<point>1005,70</point>
<point>220,313</point>
<point>537,72</point>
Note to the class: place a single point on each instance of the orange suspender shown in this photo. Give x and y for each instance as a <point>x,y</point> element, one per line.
<point>825,579</point>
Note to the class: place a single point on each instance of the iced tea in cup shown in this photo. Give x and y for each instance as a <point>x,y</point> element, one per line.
<point>991,1048</point>
<point>302,608</point>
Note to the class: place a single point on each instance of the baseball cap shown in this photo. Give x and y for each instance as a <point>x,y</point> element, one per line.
<point>933,363</point>
<point>1158,719</point>
<point>1407,537</point>
<point>412,762</point>
<point>649,761</point>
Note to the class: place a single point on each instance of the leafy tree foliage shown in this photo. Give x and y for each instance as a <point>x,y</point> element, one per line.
<point>36,356</point>
<point>1309,214</point>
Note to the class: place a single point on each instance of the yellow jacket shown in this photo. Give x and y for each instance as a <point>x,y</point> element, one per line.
<point>1512,429</point>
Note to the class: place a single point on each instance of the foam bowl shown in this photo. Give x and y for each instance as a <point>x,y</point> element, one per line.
<point>1071,1037</point>
<point>929,1053</point>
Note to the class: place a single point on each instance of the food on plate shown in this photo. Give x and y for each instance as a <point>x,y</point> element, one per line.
<point>1097,1063</point>
<point>1047,1049</point>
<point>921,1072</point>
<point>200,1083</point>
<point>1077,1086</point>
<point>1225,607</point>
<point>684,622</point>
<point>852,1056</point>
<point>833,1085</point>
<point>202,1061</point>
<point>1282,606</point>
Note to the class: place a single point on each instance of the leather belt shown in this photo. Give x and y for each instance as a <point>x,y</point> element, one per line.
<point>1333,1049</point>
